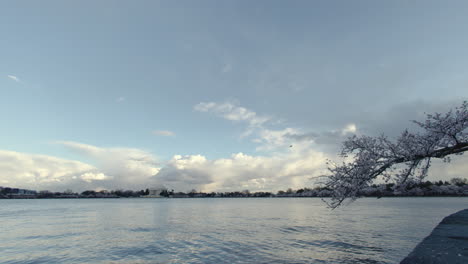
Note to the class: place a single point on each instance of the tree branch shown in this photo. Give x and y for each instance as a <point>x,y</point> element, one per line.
<point>372,157</point>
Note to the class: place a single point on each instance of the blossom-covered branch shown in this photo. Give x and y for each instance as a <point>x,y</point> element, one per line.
<point>372,157</point>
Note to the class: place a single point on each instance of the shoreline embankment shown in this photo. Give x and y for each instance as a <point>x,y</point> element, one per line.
<point>448,243</point>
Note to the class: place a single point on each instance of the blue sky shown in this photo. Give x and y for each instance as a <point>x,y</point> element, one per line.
<point>92,85</point>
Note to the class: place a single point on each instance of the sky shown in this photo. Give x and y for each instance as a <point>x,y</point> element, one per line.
<point>216,95</point>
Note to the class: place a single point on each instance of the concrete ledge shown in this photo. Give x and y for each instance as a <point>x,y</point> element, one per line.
<point>448,243</point>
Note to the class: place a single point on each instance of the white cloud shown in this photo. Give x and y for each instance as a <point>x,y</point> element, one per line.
<point>128,167</point>
<point>232,112</point>
<point>43,172</point>
<point>294,156</point>
<point>108,168</point>
<point>240,171</point>
<point>332,138</point>
<point>278,139</point>
<point>272,139</point>
<point>349,129</point>
<point>120,99</point>
<point>165,133</point>
<point>89,177</point>
<point>14,78</point>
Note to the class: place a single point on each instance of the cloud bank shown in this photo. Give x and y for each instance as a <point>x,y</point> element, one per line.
<point>127,166</point>
<point>116,168</point>
<point>45,172</point>
<point>108,168</point>
<point>287,157</point>
<point>240,171</point>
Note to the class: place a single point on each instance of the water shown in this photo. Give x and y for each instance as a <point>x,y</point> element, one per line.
<point>255,230</point>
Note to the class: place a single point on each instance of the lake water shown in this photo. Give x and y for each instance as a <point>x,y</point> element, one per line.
<point>251,230</point>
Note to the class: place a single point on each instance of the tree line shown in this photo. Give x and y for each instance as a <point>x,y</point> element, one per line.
<point>454,187</point>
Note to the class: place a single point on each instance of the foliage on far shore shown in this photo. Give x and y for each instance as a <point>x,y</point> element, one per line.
<point>454,187</point>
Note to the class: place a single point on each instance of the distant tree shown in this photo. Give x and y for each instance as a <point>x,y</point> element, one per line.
<point>371,157</point>
<point>192,193</point>
<point>88,192</point>
<point>458,181</point>
<point>164,193</point>
<point>119,193</point>
<point>389,186</point>
<point>426,184</point>
<point>128,193</point>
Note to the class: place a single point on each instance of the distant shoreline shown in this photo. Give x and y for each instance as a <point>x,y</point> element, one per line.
<point>251,197</point>
<point>457,187</point>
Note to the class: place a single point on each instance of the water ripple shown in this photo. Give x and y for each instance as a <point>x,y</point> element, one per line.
<point>216,230</point>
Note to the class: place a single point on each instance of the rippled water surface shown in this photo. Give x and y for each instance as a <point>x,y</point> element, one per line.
<point>263,230</point>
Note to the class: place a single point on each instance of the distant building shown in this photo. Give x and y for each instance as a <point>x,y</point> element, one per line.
<point>26,192</point>
<point>156,192</point>
<point>17,193</point>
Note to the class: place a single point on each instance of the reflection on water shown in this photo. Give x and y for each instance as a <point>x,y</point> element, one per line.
<point>263,230</point>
